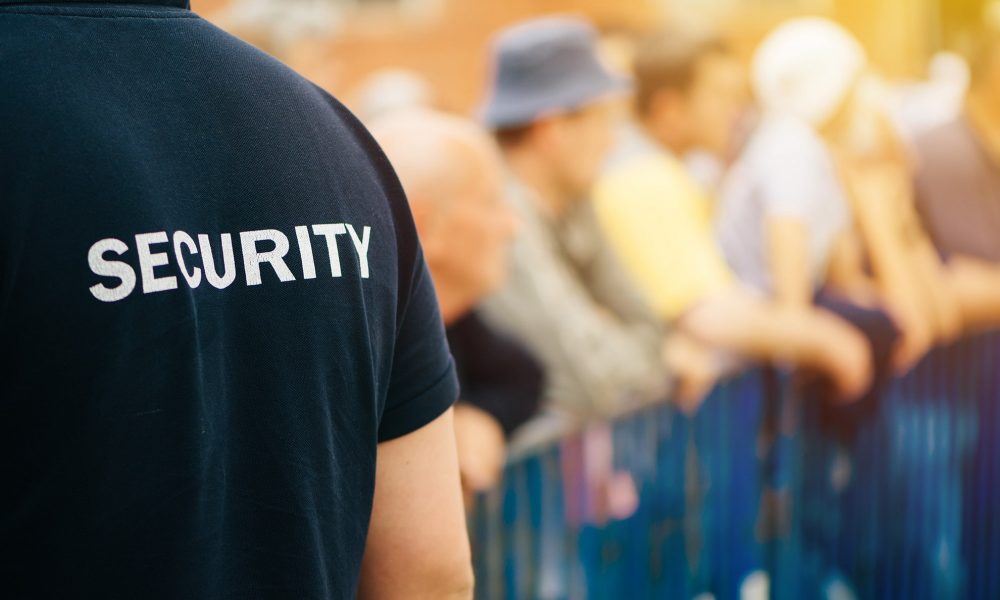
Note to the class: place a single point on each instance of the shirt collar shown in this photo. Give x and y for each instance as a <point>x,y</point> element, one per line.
<point>174,3</point>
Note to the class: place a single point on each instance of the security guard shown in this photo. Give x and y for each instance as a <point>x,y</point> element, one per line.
<point>216,325</point>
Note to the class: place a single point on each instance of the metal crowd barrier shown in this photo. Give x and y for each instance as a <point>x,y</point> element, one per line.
<point>758,496</point>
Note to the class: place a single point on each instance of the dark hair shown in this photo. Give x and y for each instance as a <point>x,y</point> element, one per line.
<point>668,60</point>
<point>515,135</point>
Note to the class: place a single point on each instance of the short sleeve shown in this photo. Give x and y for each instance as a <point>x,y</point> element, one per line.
<point>790,172</point>
<point>423,384</point>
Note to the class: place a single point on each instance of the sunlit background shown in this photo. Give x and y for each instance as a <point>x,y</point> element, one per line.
<point>338,43</point>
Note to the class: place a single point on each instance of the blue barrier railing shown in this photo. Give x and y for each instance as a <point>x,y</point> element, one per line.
<point>758,496</point>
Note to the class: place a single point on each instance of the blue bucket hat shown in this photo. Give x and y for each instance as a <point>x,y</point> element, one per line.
<point>546,65</point>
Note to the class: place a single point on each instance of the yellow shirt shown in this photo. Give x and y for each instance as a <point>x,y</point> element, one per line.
<point>659,221</point>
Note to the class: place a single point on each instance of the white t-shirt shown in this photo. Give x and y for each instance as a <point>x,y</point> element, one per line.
<point>785,171</point>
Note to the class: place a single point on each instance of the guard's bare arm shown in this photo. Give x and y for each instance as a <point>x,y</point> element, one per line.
<point>418,546</point>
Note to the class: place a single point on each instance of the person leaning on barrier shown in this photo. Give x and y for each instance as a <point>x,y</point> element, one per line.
<point>894,262</point>
<point>933,301</point>
<point>958,164</point>
<point>211,388</point>
<point>453,178</point>
<point>659,219</point>
<point>957,184</point>
<point>781,208</point>
<point>551,106</point>
<point>784,219</point>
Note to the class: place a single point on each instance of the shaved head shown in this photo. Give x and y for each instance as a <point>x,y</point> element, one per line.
<point>452,174</point>
<point>436,155</point>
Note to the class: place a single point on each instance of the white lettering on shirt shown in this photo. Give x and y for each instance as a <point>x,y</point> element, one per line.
<point>228,262</point>
<point>362,247</point>
<point>306,252</point>
<point>183,239</point>
<point>110,268</point>
<point>252,259</point>
<point>263,246</point>
<point>148,261</point>
<point>330,231</point>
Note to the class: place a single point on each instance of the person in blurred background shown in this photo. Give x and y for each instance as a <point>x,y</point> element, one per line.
<point>934,301</point>
<point>550,105</point>
<point>958,183</point>
<point>659,219</point>
<point>782,208</point>
<point>453,178</point>
<point>783,218</point>
<point>688,74</point>
<point>958,179</point>
<point>886,256</point>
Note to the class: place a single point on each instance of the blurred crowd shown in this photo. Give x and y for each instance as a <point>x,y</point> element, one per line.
<point>628,221</point>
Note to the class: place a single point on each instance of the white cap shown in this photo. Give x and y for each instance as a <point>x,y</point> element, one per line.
<point>806,68</point>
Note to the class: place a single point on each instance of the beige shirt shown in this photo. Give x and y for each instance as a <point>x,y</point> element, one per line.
<point>569,301</point>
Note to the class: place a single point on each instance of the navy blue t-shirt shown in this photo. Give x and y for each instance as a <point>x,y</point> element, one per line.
<point>213,306</point>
